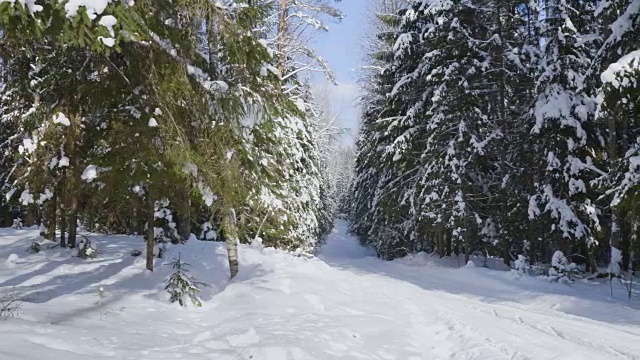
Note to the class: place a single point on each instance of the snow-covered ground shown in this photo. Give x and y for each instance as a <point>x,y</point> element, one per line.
<point>344,304</point>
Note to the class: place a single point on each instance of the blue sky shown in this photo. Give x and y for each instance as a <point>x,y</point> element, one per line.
<point>341,47</point>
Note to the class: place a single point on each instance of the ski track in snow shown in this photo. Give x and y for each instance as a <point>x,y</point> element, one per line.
<point>343,304</point>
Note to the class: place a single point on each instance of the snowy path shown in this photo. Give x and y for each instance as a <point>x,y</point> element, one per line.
<point>344,304</point>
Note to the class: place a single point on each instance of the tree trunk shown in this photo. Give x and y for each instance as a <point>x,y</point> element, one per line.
<point>231,239</point>
<point>440,240</point>
<point>6,218</point>
<point>73,220</point>
<point>466,251</point>
<point>52,218</point>
<point>506,255</point>
<point>184,216</point>
<point>448,241</point>
<point>282,33</point>
<point>133,225</point>
<point>615,235</point>
<point>593,265</point>
<point>150,230</point>
<point>30,216</point>
<point>63,214</point>
<point>614,241</point>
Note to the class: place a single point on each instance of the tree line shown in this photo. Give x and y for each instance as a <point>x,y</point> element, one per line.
<point>504,127</point>
<point>166,118</point>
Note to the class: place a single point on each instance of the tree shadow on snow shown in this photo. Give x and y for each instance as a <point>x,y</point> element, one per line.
<point>592,301</point>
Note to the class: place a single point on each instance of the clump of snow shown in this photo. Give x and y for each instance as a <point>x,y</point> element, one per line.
<point>90,173</point>
<point>257,242</point>
<point>92,7</point>
<point>61,119</point>
<point>30,5</point>
<point>153,122</point>
<point>108,21</point>
<point>470,264</point>
<point>520,264</point>
<point>63,162</point>
<point>26,198</point>
<point>615,73</point>
<point>208,232</point>
<point>28,146</point>
<point>561,268</point>
<point>107,41</point>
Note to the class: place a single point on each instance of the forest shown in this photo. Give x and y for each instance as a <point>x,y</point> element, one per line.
<point>168,118</point>
<point>189,179</point>
<point>503,128</point>
<point>494,128</point>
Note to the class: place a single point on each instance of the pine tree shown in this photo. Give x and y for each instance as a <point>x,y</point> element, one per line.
<point>615,75</point>
<point>180,284</point>
<point>562,123</point>
<point>157,87</point>
<point>372,168</point>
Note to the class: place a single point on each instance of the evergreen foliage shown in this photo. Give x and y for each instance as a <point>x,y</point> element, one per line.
<point>181,285</point>
<point>501,126</point>
<point>109,112</point>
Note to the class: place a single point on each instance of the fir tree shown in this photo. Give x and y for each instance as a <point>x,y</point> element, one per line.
<point>181,285</point>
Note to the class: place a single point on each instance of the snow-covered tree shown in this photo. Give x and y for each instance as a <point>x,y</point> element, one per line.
<point>180,107</point>
<point>562,123</point>
<point>615,73</point>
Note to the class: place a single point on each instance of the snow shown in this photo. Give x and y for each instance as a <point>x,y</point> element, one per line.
<point>61,119</point>
<point>107,41</point>
<point>109,21</point>
<point>11,261</point>
<point>90,173</point>
<point>30,5</point>
<point>92,7</point>
<point>153,122</point>
<point>617,70</point>
<point>616,260</point>
<point>64,161</point>
<point>343,304</point>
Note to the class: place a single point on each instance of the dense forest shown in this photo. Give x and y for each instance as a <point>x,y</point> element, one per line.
<point>168,118</point>
<point>506,129</point>
<point>502,128</point>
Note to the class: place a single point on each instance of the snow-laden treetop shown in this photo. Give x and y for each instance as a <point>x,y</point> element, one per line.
<point>92,7</point>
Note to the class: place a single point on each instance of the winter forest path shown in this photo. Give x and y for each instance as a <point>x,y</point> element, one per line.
<point>436,312</point>
<point>343,304</point>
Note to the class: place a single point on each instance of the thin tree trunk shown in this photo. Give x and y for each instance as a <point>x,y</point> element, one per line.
<point>230,229</point>
<point>73,220</point>
<point>30,216</point>
<point>615,235</point>
<point>52,218</point>
<point>440,240</point>
<point>133,226</point>
<point>150,230</point>
<point>185,220</point>
<point>63,214</point>
<point>593,265</point>
<point>448,242</point>
<point>466,250</point>
<point>282,33</point>
<point>614,241</point>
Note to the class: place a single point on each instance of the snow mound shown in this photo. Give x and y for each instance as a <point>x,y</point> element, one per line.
<point>470,264</point>
<point>11,260</point>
